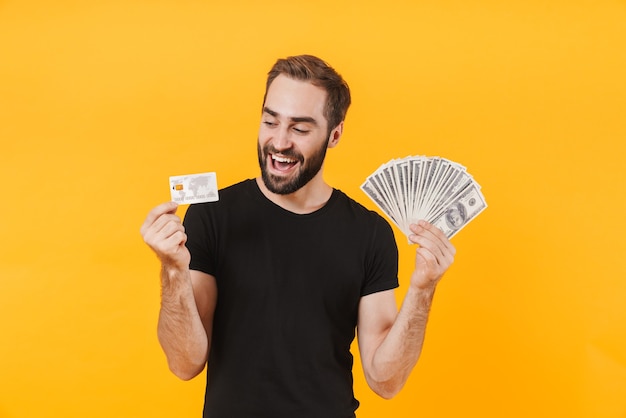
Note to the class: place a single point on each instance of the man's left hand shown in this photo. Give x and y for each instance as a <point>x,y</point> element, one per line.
<point>433,257</point>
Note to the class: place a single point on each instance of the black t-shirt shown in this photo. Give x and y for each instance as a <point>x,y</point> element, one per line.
<point>289,287</point>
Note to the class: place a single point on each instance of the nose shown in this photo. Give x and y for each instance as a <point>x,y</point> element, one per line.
<point>282,140</point>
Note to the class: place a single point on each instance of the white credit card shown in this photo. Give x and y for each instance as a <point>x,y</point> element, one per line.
<point>194,188</point>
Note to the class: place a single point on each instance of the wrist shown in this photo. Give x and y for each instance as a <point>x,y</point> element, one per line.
<point>172,275</point>
<point>422,295</point>
<point>421,283</point>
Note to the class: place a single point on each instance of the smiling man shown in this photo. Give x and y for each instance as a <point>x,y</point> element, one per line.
<point>270,284</point>
<point>285,137</point>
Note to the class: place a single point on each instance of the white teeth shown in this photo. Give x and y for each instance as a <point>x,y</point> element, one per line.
<point>283,159</point>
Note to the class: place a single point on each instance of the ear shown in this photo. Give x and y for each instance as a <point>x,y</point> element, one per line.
<point>335,135</point>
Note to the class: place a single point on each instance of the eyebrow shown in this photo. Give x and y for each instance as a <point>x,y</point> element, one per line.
<point>297,119</point>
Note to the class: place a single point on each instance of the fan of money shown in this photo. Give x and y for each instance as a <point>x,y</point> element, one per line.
<point>435,189</point>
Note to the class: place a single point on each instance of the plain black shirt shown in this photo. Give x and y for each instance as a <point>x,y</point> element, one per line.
<point>289,287</point>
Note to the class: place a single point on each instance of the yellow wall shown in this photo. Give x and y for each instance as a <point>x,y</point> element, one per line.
<point>101,101</point>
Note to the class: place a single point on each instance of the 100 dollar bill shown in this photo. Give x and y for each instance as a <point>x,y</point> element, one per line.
<point>456,215</point>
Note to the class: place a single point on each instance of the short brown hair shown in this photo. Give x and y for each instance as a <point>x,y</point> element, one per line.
<point>319,73</point>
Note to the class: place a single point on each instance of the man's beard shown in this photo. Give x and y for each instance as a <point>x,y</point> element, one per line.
<point>287,185</point>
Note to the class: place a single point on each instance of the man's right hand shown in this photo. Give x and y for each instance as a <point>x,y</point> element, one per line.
<point>165,234</point>
<point>188,297</point>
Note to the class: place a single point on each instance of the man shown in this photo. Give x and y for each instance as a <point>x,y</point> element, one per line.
<point>268,284</point>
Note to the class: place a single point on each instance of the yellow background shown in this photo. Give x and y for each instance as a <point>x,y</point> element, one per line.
<point>101,101</point>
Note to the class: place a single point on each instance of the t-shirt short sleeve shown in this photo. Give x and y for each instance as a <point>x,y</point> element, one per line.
<point>201,238</point>
<point>382,264</point>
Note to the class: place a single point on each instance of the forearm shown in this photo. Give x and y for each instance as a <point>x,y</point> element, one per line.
<point>400,349</point>
<point>180,330</point>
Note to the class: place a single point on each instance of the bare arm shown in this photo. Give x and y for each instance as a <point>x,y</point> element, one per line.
<point>391,342</point>
<point>187,297</point>
<point>185,320</point>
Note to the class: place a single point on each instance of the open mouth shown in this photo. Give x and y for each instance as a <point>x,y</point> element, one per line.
<point>283,164</point>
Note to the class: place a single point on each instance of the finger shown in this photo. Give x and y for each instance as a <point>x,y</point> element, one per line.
<point>427,255</point>
<point>163,228</point>
<point>443,239</point>
<point>426,228</point>
<point>435,234</point>
<point>167,242</point>
<point>171,227</point>
<point>163,220</point>
<point>175,240</point>
<point>155,213</point>
<point>426,242</point>
<point>172,250</point>
<point>425,234</point>
<point>433,240</point>
<point>434,257</point>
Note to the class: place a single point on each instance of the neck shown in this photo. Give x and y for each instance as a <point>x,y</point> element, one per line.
<point>307,199</point>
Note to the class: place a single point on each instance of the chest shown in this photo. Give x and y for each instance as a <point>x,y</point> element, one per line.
<point>296,267</point>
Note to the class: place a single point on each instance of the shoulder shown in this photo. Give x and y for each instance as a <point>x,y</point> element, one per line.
<point>358,210</point>
<point>228,198</point>
<point>245,187</point>
<point>242,190</point>
<point>366,219</point>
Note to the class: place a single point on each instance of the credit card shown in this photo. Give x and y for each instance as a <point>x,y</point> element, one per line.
<point>194,188</point>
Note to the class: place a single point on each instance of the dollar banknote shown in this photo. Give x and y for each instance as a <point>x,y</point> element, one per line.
<point>434,189</point>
